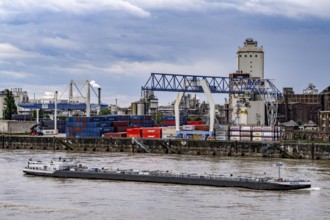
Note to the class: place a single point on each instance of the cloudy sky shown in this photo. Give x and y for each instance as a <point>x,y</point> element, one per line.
<point>117,43</point>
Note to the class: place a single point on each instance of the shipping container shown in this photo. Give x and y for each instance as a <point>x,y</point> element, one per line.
<point>245,133</point>
<point>120,128</point>
<point>267,128</point>
<point>152,130</point>
<point>114,135</point>
<point>256,128</point>
<point>169,131</point>
<point>235,138</point>
<point>131,135</point>
<point>256,134</point>
<point>221,133</point>
<point>245,128</point>
<point>188,127</point>
<point>245,138</point>
<point>197,137</point>
<point>256,138</point>
<point>194,123</point>
<point>267,139</point>
<point>202,127</point>
<point>267,134</point>
<point>221,138</point>
<point>235,133</point>
<point>235,128</point>
<point>148,135</point>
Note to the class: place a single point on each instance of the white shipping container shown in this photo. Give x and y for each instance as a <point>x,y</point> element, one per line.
<point>245,133</point>
<point>245,128</point>
<point>188,127</point>
<point>221,133</point>
<point>256,128</point>
<point>256,134</point>
<point>168,136</point>
<point>169,131</point>
<point>267,139</point>
<point>235,138</point>
<point>245,138</point>
<point>235,128</point>
<point>267,128</point>
<point>267,134</point>
<point>235,133</point>
<point>221,138</point>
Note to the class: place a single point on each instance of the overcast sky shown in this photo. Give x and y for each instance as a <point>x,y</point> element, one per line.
<point>117,43</point>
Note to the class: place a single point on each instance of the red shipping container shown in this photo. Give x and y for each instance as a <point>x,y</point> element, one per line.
<point>114,135</point>
<point>146,135</point>
<point>133,135</point>
<point>152,130</point>
<point>201,127</point>
<point>194,122</point>
<point>120,129</point>
<point>119,123</point>
<point>168,123</point>
<point>133,132</point>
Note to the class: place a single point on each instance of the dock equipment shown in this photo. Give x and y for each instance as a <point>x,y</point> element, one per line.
<point>182,83</point>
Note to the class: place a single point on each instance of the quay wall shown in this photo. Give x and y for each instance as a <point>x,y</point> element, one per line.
<point>162,146</point>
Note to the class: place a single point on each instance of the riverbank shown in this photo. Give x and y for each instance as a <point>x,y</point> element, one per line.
<point>311,151</point>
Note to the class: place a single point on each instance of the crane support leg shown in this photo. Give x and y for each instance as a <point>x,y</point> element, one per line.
<point>177,110</point>
<point>209,97</point>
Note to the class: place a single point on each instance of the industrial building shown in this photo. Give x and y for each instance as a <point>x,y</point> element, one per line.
<point>300,107</point>
<point>250,60</point>
<point>20,96</point>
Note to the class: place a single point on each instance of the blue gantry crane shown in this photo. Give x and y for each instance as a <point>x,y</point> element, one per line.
<point>182,83</point>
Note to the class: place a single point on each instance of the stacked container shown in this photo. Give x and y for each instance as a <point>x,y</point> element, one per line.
<point>235,133</point>
<point>221,133</point>
<point>151,132</point>
<point>168,133</point>
<point>141,121</point>
<point>169,120</point>
<point>133,132</point>
<point>87,126</point>
<point>245,133</point>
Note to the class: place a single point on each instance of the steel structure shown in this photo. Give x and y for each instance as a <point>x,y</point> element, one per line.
<point>191,83</point>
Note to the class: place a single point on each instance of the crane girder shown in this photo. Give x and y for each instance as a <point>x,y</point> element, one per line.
<point>188,83</point>
<point>217,84</point>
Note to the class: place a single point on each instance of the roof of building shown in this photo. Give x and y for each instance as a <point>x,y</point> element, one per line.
<point>290,123</point>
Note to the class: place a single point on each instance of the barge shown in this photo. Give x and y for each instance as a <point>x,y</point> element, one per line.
<point>68,168</point>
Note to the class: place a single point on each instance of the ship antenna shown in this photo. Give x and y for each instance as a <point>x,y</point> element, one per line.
<point>279,165</point>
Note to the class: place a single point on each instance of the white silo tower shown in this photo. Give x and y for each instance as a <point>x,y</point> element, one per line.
<point>250,59</point>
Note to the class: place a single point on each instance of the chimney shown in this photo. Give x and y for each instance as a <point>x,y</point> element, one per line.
<point>99,95</point>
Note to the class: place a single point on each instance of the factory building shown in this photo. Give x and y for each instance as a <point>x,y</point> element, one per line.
<point>300,107</point>
<point>250,60</point>
<point>20,96</point>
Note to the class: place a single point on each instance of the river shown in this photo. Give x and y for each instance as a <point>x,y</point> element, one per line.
<point>29,197</point>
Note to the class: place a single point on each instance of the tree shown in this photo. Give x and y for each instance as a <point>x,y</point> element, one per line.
<point>105,111</point>
<point>159,118</point>
<point>10,107</point>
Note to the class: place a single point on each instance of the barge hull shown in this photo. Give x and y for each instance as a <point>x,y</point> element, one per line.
<point>193,180</point>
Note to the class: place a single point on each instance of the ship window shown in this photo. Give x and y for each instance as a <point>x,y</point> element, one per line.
<point>250,55</point>
<point>240,55</point>
<point>256,55</point>
<point>245,56</point>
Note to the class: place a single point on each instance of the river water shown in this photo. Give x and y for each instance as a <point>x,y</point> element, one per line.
<point>29,197</point>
